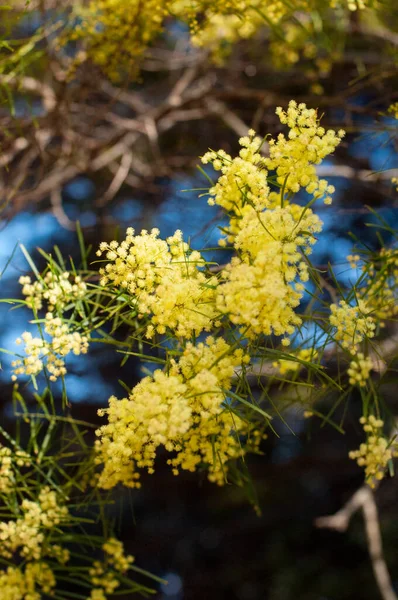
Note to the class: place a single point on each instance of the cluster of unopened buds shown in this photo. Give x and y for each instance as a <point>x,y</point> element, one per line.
<point>9,460</point>
<point>56,290</point>
<point>103,575</point>
<point>352,323</point>
<point>359,369</point>
<point>50,353</point>
<point>374,454</point>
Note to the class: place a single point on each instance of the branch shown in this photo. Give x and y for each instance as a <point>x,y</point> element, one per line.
<point>364,499</point>
<point>29,84</point>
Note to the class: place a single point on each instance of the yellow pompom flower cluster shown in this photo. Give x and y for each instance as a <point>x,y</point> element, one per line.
<point>393,110</point>
<point>26,534</point>
<point>256,296</point>
<point>219,32</point>
<point>54,290</point>
<point>243,182</point>
<point>352,323</point>
<point>286,366</point>
<point>296,41</point>
<point>28,583</point>
<point>165,281</point>
<point>116,33</point>
<point>261,287</point>
<point>259,290</point>
<point>9,461</point>
<point>217,25</point>
<point>183,410</point>
<point>290,229</point>
<point>376,452</point>
<point>29,538</point>
<point>308,143</point>
<point>103,575</point>
<point>381,286</point>
<point>359,369</point>
<point>40,352</point>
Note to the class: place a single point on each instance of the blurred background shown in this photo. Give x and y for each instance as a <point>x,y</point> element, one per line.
<point>113,156</point>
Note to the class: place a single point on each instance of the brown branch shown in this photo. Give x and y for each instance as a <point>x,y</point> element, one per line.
<point>118,180</point>
<point>29,84</point>
<point>364,499</point>
<point>58,210</point>
<point>228,116</point>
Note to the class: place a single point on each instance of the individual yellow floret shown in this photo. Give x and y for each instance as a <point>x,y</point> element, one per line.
<point>353,260</point>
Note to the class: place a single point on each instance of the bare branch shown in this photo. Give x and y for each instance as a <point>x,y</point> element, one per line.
<point>364,499</point>
<point>118,180</point>
<point>58,210</point>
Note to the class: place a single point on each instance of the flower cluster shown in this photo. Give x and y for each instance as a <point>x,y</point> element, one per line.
<point>352,323</point>
<point>26,534</point>
<point>103,575</point>
<point>183,410</point>
<point>164,280</point>
<point>294,158</point>
<point>55,290</point>
<point>29,583</point>
<point>242,184</point>
<point>41,352</point>
<point>256,297</point>
<point>261,287</point>
<point>393,110</point>
<point>381,285</point>
<point>295,43</point>
<point>376,452</point>
<point>217,25</point>
<point>29,538</point>
<point>285,365</point>
<point>116,33</point>
<point>359,369</point>
<point>9,461</point>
